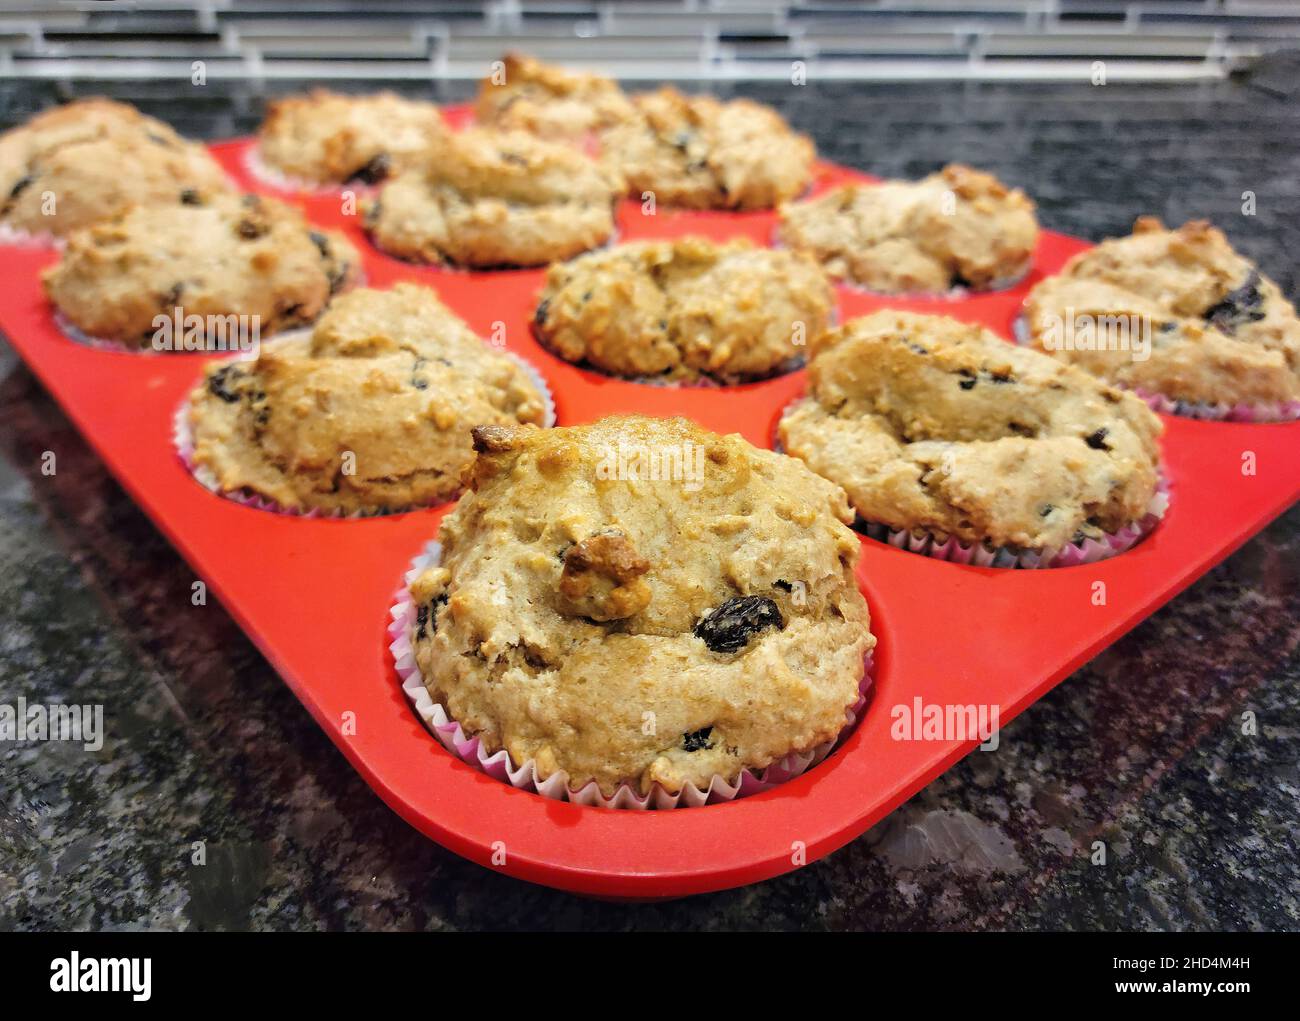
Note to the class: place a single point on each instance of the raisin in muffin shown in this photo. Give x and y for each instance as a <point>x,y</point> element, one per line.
<point>392,378</point>
<point>488,198</point>
<point>684,310</point>
<point>549,101</point>
<point>327,138</point>
<point>939,426</point>
<point>1172,312</point>
<point>624,628</point>
<point>956,228</point>
<point>699,152</point>
<point>228,256</point>
<point>79,164</point>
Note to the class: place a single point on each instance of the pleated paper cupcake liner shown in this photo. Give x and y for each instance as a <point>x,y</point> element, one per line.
<point>26,239</point>
<point>1276,411</point>
<point>263,172</point>
<point>183,441</point>
<point>1090,551</point>
<point>954,551</point>
<point>526,776</point>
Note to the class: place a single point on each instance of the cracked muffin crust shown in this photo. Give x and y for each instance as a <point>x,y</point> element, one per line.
<point>549,101</point>
<point>939,426</point>
<point>392,378</point>
<point>684,310</point>
<point>88,161</point>
<point>487,198</point>
<point>1218,330</point>
<point>327,138</point>
<point>628,629</point>
<point>702,153</point>
<point>226,256</point>
<point>956,228</point>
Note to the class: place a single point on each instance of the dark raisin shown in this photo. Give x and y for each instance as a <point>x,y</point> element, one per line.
<point>321,242</point>
<point>513,159</point>
<point>159,139</point>
<point>917,349</point>
<point>21,185</point>
<point>729,627</point>
<point>967,384</point>
<point>426,617</point>
<point>1239,306</point>
<point>173,296</point>
<point>222,382</point>
<point>374,171</point>
<point>697,740</point>
<point>337,276</point>
<point>1047,509</point>
<point>251,229</point>
<point>539,317</point>
<point>190,197</point>
<point>1168,327</point>
<point>1097,440</point>
<point>1001,377</point>
<point>784,586</point>
<point>1020,429</point>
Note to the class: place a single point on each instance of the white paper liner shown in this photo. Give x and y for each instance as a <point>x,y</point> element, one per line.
<point>525,776</point>
<point>26,239</point>
<point>183,441</point>
<point>269,176</point>
<point>980,554</point>
<point>1222,411</point>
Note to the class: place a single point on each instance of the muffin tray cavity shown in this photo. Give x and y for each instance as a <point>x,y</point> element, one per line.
<point>314,593</point>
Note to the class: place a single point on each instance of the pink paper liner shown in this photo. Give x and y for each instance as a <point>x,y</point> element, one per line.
<point>183,442</point>
<point>1278,411</point>
<point>1090,551</point>
<point>500,766</point>
<point>981,555</point>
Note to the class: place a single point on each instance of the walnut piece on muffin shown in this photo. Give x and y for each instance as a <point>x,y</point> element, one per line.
<point>585,590</point>
<point>702,153</point>
<point>371,412</point>
<point>939,426</point>
<point>551,102</point>
<point>229,255</point>
<point>324,137</point>
<point>1208,326</point>
<point>956,228</point>
<point>486,198</point>
<point>684,310</point>
<point>89,161</point>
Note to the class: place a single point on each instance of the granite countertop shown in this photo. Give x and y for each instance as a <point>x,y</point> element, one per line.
<point>1143,749</point>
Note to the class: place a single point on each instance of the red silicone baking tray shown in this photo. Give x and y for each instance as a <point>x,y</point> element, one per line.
<point>314,594</point>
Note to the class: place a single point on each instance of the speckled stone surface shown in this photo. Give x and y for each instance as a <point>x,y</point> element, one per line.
<point>1145,750</point>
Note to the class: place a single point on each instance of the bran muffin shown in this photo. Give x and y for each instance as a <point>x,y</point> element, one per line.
<point>684,310</point>
<point>702,153</point>
<point>956,228</point>
<point>1209,327</point>
<point>549,101</point>
<point>939,426</point>
<point>577,598</point>
<point>392,378</point>
<point>327,138</point>
<point>91,160</point>
<point>229,255</point>
<point>485,198</point>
